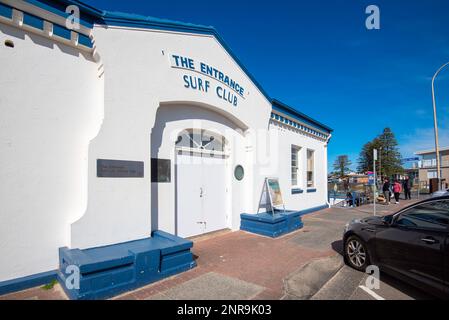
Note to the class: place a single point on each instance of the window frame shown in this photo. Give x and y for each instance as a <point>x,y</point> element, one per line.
<point>313,169</point>
<point>298,173</point>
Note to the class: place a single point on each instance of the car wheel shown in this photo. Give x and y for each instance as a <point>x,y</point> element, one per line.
<point>356,253</point>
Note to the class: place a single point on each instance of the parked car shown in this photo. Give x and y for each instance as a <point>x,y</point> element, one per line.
<point>412,244</point>
<point>440,193</point>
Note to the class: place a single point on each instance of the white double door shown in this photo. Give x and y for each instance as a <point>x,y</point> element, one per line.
<point>201,194</point>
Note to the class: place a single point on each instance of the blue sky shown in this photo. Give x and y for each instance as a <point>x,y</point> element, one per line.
<point>318,57</point>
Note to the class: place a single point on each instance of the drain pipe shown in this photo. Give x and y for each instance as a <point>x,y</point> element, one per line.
<point>327,197</point>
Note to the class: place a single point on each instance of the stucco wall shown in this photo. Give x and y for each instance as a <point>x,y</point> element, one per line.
<point>138,79</point>
<point>286,137</point>
<point>60,113</point>
<point>50,107</point>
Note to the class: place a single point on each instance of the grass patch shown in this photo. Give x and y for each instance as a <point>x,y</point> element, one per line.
<point>50,285</point>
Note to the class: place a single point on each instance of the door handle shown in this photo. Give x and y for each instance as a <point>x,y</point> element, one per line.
<point>429,240</point>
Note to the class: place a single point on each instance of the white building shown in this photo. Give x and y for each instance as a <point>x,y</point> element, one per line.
<point>123,87</point>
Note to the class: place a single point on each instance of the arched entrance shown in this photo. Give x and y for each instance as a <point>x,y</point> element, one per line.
<point>201,170</point>
<point>201,147</point>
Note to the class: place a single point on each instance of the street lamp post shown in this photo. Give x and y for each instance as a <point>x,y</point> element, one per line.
<point>435,123</point>
<point>380,163</point>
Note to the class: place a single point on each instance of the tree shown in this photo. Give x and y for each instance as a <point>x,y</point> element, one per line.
<point>365,162</point>
<point>389,155</point>
<point>341,166</point>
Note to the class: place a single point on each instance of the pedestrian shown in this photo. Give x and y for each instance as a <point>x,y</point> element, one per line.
<point>386,190</point>
<point>349,199</point>
<point>397,190</point>
<point>407,186</point>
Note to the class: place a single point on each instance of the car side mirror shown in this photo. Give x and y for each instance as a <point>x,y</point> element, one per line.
<point>387,220</point>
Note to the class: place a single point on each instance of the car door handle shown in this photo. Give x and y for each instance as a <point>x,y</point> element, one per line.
<point>429,240</point>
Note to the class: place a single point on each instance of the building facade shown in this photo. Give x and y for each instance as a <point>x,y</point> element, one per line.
<point>120,125</point>
<point>428,165</point>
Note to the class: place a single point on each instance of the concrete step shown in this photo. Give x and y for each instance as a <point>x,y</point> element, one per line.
<point>341,286</point>
<point>304,283</point>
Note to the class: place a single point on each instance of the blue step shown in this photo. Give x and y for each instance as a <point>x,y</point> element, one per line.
<point>110,270</point>
<point>271,225</point>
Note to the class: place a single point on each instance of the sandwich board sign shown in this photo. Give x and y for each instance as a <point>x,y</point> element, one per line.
<point>271,198</point>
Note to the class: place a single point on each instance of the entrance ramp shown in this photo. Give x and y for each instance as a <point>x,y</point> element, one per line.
<point>110,270</point>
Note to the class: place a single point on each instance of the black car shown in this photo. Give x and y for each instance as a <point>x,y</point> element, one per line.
<point>412,244</point>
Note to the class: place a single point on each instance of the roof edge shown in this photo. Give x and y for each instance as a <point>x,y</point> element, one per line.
<point>430,151</point>
<point>282,107</point>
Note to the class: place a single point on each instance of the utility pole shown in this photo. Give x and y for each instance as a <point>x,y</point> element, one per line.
<point>380,163</point>
<point>435,123</point>
<point>375,180</point>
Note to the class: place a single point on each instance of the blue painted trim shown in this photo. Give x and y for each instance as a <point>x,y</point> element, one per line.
<point>27,282</point>
<point>297,191</point>
<point>88,14</point>
<point>5,11</point>
<point>85,40</point>
<point>314,209</point>
<point>311,190</point>
<point>282,107</point>
<point>33,21</point>
<point>61,32</point>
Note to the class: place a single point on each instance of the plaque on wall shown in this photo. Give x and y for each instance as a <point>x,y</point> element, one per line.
<point>119,169</point>
<point>160,170</point>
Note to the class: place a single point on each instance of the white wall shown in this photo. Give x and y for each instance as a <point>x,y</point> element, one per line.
<point>138,79</point>
<point>58,117</point>
<point>286,137</point>
<point>50,107</point>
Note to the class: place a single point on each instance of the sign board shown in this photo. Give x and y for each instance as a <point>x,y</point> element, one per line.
<point>370,178</point>
<point>119,169</point>
<point>275,192</point>
<point>208,79</point>
<point>410,159</point>
<point>271,195</point>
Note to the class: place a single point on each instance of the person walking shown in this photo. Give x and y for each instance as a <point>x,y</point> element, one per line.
<point>397,190</point>
<point>386,190</point>
<point>407,186</point>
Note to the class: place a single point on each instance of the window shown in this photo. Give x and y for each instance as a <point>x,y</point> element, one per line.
<point>200,139</point>
<point>431,215</point>
<point>310,168</point>
<point>295,166</point>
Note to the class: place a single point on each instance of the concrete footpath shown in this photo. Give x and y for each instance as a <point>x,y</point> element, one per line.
<point>238,265</point>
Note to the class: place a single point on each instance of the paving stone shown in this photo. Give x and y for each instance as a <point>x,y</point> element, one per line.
<point>212,286</point>
<point>341,286</point>
<point>307,281</point>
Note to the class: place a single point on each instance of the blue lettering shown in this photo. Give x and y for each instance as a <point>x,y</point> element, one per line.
<point>176,60</point>
<point>196,83</point>
<point>219,91</point>
<point>186,81</point>
<point>187,63</point>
